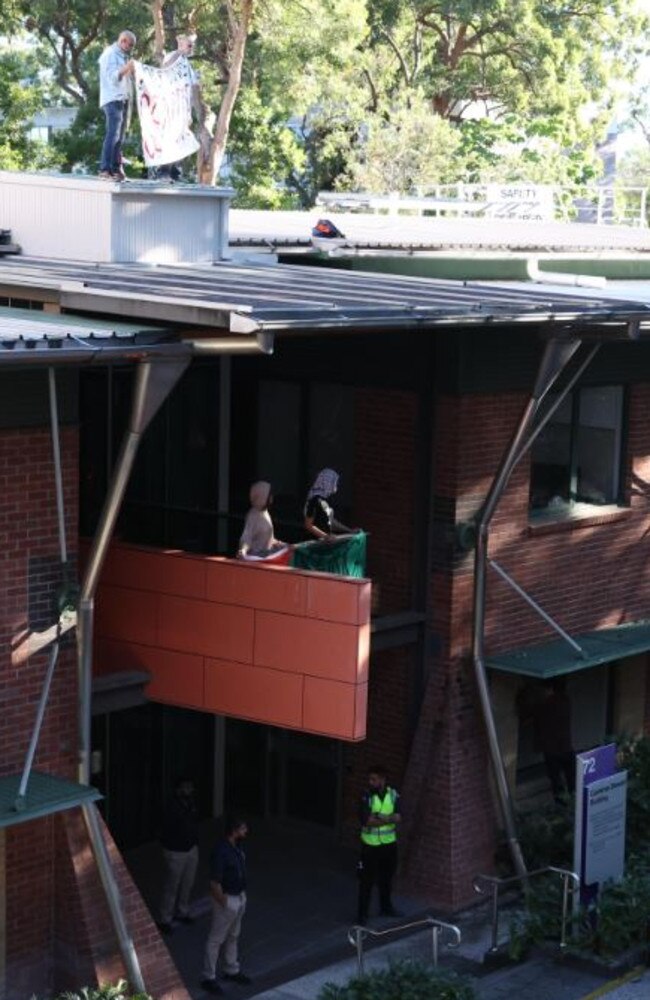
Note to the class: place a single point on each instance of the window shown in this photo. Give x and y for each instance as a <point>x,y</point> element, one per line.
<point>577,457</point>
<point>301,428</point>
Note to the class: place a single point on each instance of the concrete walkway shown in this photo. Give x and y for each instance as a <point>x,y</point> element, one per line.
<point>302,902</point>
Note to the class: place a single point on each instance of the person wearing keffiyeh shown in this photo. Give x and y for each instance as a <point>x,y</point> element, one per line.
<point>318,513</point>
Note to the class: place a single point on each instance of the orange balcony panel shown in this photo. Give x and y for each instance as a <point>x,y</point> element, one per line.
<point>162,572</point>
<point>337,600</point>
<point>331,708</point>
<point>309,646</point>
<point>111,655</point>
<point>271,588</point>
<point>360,711</point>
<point>127,614</point>
<point>254,693</point>
<point>270,644</point>
<point>176,678</point>
<point>209,629</point>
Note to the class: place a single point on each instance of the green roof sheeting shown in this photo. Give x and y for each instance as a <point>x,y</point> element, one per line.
<point>550,659</point>
<point>45,795</point>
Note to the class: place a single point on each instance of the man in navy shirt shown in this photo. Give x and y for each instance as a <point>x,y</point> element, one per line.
<point>228,891</point>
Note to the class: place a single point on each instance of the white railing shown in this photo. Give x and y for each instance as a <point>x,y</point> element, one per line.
<point>612,205</point>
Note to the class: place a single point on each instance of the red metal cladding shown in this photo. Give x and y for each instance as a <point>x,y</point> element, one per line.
<point>270,644</point>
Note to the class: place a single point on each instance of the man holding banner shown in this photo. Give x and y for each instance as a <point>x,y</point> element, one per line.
<point>164,100</point>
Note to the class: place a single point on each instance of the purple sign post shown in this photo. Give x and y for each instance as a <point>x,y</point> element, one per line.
<point>592,765</point>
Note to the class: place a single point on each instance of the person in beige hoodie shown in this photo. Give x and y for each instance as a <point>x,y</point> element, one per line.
<point>257,538</point>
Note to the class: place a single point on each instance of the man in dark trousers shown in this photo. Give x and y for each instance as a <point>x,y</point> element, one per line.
<point>380,817</point>
<point>228,891</point>
<point>180,844</point>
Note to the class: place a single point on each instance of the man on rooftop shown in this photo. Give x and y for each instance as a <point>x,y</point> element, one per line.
<point>115,72</point>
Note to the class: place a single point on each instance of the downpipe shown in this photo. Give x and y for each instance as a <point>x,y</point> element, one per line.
<point>557,354</point>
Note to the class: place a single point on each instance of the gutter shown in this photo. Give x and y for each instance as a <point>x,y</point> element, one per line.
<point>533,273</point>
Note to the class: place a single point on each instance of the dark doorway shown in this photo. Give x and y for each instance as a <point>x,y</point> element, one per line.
<point>280,774</point>
<point>137,754</point>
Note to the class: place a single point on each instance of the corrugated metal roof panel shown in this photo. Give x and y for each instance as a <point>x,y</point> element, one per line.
<point>281,298</point>
<point>28,334</point>
<point>551,659</point>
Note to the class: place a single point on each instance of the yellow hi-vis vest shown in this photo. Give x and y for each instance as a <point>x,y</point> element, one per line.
<point>387,834</point>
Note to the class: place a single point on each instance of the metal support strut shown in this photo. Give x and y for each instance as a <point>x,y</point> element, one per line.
<point>21,797</point>
<point>153,383</point>
<point>557,354</point>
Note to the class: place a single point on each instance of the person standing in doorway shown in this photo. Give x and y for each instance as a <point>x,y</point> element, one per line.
<point>180,844</point>
<point>380,817</point>
<point>228,891</point>
<point>552,735</point>
<point>115,73</point>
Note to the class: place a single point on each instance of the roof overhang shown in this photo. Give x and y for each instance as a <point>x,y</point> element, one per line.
<point>551,659</point>
<point>231,299</point>
<point>45,795</point>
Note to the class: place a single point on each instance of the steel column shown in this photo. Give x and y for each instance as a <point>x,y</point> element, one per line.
<point>112,893</point>
<point>153,383</point>
<point>557,354</point>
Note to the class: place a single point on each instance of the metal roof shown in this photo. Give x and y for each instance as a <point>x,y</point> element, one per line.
<point>550,659</point>
<point>27,335</point>
<point>253,299</point>
<point>250,227</point>
<point>46,794</point>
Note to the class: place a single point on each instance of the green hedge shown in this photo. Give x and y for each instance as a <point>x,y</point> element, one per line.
<point>402,981</point>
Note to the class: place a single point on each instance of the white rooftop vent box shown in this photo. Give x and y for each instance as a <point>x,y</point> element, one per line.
<point>69,217</point>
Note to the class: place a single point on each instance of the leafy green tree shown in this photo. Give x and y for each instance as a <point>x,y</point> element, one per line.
<point>22,95</point>
<point>306,94</point>
<point>407,151</point>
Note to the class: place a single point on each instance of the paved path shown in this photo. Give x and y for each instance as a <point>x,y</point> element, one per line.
<point>294,935</point>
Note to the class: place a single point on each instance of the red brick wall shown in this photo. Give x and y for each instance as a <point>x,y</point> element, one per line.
<point>29,578</point>
<point>384,494</point>
<point>588,574</point>
<point>52,939</point>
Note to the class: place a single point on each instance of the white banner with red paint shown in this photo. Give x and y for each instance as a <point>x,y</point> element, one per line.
<point>164,100</point>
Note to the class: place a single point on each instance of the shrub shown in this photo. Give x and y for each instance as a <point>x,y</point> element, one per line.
<point>120,991</point>
<point>402,981</point>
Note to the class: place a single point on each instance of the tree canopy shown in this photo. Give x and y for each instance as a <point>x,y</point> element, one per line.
<point>385,94</point>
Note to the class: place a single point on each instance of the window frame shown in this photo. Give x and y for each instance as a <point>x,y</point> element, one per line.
<point>539,514</point>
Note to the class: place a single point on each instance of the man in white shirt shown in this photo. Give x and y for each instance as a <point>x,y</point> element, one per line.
<point>115,70</point>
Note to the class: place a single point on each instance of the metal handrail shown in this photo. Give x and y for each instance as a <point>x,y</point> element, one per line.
<point>357,934</point>
<point>497,883</point>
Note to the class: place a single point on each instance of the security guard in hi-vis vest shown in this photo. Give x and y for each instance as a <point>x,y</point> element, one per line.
<point>380,817</point>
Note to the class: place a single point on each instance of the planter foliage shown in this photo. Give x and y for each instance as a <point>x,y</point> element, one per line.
<point>402,981</point>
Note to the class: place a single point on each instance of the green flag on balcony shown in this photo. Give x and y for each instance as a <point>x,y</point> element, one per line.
<point>345,555</point>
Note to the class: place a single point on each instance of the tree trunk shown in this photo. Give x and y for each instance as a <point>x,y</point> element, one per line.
<point>158,30</point>
<point>213,145</point>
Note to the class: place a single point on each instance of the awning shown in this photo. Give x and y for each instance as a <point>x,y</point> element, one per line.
<point>550,659</point>
<point>45,795</point>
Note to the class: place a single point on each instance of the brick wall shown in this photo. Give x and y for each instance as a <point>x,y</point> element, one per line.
<point>588,574</point>
<point>384,495</point>
<point>51,941</point>
<point>29,579</point>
